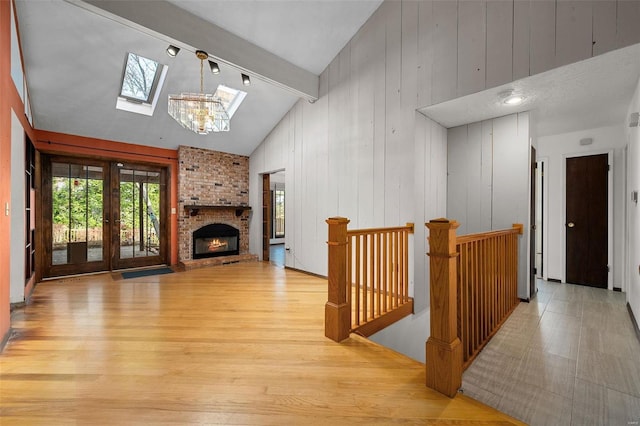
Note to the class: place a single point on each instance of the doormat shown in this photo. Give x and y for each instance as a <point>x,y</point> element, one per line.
<point>146,273</point>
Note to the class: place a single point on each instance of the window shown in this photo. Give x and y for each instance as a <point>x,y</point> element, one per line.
<point>142,80</point>
<point>230,98</point>
<point>278,212</point>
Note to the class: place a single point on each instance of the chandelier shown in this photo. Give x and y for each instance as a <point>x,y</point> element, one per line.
<point>201,113</point>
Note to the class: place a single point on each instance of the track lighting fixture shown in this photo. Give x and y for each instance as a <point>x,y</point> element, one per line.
<point>172,50</point>
<point>214,67</point>
<point>245,80</point>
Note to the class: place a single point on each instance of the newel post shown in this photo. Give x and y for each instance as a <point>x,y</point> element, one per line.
<point>337,312</point>
<point>443,348</point>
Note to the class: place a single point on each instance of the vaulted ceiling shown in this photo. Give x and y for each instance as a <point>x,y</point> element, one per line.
<point>74,53</point>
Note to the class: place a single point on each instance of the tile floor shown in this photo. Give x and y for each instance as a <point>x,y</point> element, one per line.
<point>276,255</point>
<point>569,357</point>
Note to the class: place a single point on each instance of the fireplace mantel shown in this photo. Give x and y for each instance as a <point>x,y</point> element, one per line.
<point>195,208</point>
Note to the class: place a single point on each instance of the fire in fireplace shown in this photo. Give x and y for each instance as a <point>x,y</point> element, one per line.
<point>214,240</point>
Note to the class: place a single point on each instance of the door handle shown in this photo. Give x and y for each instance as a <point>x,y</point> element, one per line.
<point>571,224</point>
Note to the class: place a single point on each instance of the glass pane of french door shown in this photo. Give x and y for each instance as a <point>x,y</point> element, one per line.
<point>139,216</point>
<point>77,216</point>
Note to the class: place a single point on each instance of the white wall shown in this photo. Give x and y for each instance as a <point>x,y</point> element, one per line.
<point>357,151</point>
<point>633,210</point>
<point>17,240</point>
<point>488,180</point>
<point>557,148</point>
<point>361,151</point>
<point>476,45</point>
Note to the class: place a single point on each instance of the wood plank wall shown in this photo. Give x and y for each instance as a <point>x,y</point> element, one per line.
<point>488,179</point>
<point>361,151</point>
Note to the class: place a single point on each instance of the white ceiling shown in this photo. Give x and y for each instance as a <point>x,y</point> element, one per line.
<point>74,59</point>
<point>592,93</point>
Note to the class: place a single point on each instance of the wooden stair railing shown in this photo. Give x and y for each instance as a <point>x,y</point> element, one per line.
<point>368,279</point>
<point>473,290</point>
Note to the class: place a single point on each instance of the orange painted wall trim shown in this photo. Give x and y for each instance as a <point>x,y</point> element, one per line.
<point>61,143</point>
<point>5,165</point>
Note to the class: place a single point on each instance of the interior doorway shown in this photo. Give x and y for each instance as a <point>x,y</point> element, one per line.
<point>101,216</point>
<point>532,221</point>
<point>587,226</point>
<point>538,234</point>
<point>273,217</point>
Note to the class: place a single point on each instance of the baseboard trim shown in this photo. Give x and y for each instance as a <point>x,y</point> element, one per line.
<point>302,271</point>
<point>633,321</point>
<point>554,280</point>
<point>5,339</point>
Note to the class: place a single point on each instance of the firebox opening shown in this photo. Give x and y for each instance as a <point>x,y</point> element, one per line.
<point>215,240</point>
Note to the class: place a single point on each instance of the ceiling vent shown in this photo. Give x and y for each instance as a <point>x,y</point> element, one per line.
<point>634,118</point>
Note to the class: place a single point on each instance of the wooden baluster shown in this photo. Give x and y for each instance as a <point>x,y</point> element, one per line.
<point>350,273</point>
<point>443,349</point>
<point>378,277</point>
<point>337,312</point>
<point>372,282</point>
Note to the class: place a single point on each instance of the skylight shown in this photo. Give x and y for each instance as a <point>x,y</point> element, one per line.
<point>142,79</point>
<point>140,76</point>
<point>230,98</point>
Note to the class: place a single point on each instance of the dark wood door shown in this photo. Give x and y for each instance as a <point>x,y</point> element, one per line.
<point>138,205</point>
<point>100,216</point>
<point>532,227</point>
<point>587,221</point>
<point>266,216</point>
<point>75,226</point>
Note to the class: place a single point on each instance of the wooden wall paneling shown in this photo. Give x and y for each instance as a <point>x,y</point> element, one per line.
<point>422,191</point>
<point>574,24</point>
<point>425,52</point>
<point>457,163</point>
<point>499,50</point>
<point>521,39</point>
<point>334,147</point>
<point>301,245</point>
<point>379,118</point>
<point>445,51</point>
<point>408,99</point>
<point>394,157</point>
<point>511,182</point>
<point>543,36</point>
<point>317,117</point>
<point>628,23</point>
<point>604,26</point>
<point>306,245</point>
<point>474,177</point>
<point>256,166</point>
<point>486,177</point>
<point>507,159</point>
<point>363,51</point>
<point>472,43</point>
<point>439,170</point>
<point>347,192</point>
<point>291,186</point>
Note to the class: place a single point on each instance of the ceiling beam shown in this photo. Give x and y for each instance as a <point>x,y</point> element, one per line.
<point>167,22</point>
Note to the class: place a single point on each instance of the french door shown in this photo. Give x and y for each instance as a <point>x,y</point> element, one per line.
<point>100,216</point>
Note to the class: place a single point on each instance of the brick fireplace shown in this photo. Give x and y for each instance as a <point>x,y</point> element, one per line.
<point>213,189</point>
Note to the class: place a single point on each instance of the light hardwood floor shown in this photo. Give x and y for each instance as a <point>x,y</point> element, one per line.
<point>235,344</point>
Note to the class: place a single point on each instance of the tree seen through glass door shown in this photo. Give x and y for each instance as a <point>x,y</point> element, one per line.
<point>139,213</point>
